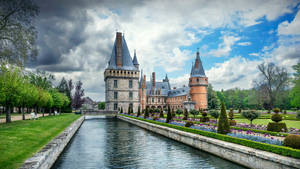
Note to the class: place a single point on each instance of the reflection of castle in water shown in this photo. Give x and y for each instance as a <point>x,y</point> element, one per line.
<point>125,87</point>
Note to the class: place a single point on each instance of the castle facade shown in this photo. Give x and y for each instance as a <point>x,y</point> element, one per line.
<point>125,87</point>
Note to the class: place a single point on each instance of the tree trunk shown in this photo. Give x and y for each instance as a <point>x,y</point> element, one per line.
<point>19,110</point>
<point>59,111</point>
<point>8,111</point>
<point>23,114</point>
<point>43,112</point>
<point>36,110</point>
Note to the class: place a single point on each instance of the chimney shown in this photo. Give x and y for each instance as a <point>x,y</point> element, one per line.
<point>119,49</point>
<point>153,79</point>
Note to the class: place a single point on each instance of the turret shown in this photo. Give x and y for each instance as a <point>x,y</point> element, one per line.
<point>198,83</point>
<point>135,61</point>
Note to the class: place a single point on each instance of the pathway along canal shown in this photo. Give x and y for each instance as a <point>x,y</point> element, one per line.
<point>112,143</point>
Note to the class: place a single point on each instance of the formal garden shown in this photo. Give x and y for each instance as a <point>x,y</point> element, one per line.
<point>277,131</point>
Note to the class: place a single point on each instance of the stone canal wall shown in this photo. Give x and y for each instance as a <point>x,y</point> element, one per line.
<point>46,157</point>
<point>242,155</point>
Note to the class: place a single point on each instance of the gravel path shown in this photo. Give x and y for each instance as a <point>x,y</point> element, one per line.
<point>15,118</point>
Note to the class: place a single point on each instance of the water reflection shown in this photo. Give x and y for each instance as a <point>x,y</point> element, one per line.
<point>112,143</point>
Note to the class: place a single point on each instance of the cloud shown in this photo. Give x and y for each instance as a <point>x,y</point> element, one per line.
<point>292,28</point>
<point>235,72</point>
<point>75,38</point>
<point>254,54</point>
<point>225,47</point>
<point>244,43</point>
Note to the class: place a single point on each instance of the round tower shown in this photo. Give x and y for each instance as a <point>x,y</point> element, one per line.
<point>198,83</point>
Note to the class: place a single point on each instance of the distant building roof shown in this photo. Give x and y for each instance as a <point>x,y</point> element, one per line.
<point>135,62</point>
<point>179,91</point>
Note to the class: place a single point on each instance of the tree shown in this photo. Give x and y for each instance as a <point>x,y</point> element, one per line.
<point>66,87</point>
<point>215,114</point>
<point>295,92</point>
<point>10,88</point>
<point>41,79</point>
<point>212,99</point>
<point>194,113</point>
<point>17,31</point>
<point>186,114</point>
<point>250,115</point>
<point>78,99</point>
<point>273,79</point>
<point>179,112</point>
<point>101,105</point>
<point>161,114</point>
<point>223,125</point>
<point>169,115</point>
<point>146,114</point>
<point>139,111</point>
<point>58,101</point>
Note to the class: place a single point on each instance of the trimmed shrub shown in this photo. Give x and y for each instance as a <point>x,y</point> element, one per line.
<point>161,114</point>
<point>298,115</point>
<point>292,140</point>
<point>194,113</point>
<point>146,114</point>
<point>204,117</point>
<point>189,124</point>
<point>223,125</point>
<point>179,112</point>
<point>169,115</point>
<point>276,118</point>
<point>250,115</point>
<point>276,110</point>
<point>215,114</point>
<point>186,114</point>
<point>232,122</point>
<point>139,111</point>
<point>277,127</point>
<point>284,111</point>
<point>230,114</point>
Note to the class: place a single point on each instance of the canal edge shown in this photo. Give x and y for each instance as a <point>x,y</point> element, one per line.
<point>46,157</point>
<point>246,156</point>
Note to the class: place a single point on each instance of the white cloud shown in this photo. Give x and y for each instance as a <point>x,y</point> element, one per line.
<point>235,72</point>
<point>244,43</point>
<point>293,28</point>
<point>253,54</point>
<point>225,47</point>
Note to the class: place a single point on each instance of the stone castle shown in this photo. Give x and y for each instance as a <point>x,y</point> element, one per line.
<point>126,87</point>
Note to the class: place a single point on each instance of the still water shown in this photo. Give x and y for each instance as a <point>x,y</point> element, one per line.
<point>112,143</point>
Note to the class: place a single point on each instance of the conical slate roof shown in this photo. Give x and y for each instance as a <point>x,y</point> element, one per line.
<point>197,68</point>
<point>141,80</point>
<point>135,62</point>
<point>127,63</point>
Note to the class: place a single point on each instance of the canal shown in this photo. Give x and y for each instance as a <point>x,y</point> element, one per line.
<point>112,143</point>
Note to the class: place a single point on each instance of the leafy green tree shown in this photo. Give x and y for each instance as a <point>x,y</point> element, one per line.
<point>41,79</point>
<point>101,105</point>
<point>179,112</point>
<point>146,114</point>
<point>17,31</point>
<point>58,101</point>
<point>295,92</point>
<point>10,88</point>
<point>194,113</point>
<point>186,114</point>
<point>223,125</point>
<point>215,114</point>
<point>212,99</point>
<point>161,114</point>
<point>66,87</point>
<point>250,115</point>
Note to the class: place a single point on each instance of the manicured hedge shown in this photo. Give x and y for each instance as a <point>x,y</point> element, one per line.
<point>272,133</point>
<point>285,151</point>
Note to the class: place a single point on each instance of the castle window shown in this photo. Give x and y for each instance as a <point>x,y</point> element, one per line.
<point>134,72</point>
<point>131,72</point>
<point>198,80</point>
<point>130,83</point>
<point>115,83</point>
<point>115,95</point>
<point>117,71</point>
<point>158,99</point>
<point>152,100</point>
<point>130,95</point>
<point>128,72</point>
<point>116,106</point>
<point>131,106</point>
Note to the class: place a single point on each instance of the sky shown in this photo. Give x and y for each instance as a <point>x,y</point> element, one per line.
<point>75,38</point>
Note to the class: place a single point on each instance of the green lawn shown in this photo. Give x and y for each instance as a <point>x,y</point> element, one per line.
<point>20,140</point>
<point>289,123</point>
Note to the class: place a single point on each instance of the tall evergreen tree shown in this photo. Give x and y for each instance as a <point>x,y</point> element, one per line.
<point>78,99</point>
<point>223,125</point>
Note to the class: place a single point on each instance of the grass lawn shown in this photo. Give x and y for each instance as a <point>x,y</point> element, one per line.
<point>289,123</point>
<point>20,140</point>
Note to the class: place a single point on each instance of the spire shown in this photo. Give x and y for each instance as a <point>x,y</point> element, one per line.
<point>141,79</point>
<point>197,68</point>
<point>135,62</point>
<point>120,57</point>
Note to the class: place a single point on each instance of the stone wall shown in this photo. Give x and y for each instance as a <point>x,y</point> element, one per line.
<point>47,156</point>
<point>242,155</point>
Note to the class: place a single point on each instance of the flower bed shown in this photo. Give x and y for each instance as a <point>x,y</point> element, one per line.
<point>282,150</point>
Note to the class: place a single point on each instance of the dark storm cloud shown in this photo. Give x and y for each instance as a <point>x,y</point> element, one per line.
<point>61,28</point>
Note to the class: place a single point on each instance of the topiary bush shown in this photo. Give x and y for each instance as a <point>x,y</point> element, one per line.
<point>161,114</point>
<point>276,118</point>
<point>232,122</point>
<point>146,114</point>
<point>204,117</point>
<point>230,114</point>
<point>292,140</point>
<point>277,127</point>
<point>215,114</point>
<point>179,112</point>
<point>284,111</point>
<point>169,115</point>
<point>139,111</point>
<point>276,110</point>
<point>194,113</point>
<point>250,115</point>
<point>223,125</point>
<point>189,124</point>
<point>186,114</point>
